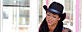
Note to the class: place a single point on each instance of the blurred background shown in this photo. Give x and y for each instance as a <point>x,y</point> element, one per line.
<point>21,15</point>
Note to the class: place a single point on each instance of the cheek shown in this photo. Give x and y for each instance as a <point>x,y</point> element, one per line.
<point>55,20</point>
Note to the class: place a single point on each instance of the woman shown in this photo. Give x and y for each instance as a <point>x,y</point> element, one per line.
<point>54,17</point>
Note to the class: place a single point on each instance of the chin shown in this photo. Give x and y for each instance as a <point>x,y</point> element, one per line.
<point>50,24</point>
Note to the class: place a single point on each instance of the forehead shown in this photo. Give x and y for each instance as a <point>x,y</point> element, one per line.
<point>52,13</point>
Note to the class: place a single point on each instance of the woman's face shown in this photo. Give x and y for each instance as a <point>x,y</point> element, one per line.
<point>52,18</point>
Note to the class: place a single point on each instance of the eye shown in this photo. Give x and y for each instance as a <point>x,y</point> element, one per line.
<point>48,14</point>
<point>54,16</point>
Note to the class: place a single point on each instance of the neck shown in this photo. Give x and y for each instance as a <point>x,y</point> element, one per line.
<point>52,27</point>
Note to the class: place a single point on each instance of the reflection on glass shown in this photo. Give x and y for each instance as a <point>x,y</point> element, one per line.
<point>68,22</point>
<point>23,29</point>
<point>23,16</point>
<point>5,13</point>
<point>69,13</point>
<point>16,2</point>
<point>23,19</point>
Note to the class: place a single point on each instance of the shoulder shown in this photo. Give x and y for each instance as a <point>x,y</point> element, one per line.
<point>66,30</point>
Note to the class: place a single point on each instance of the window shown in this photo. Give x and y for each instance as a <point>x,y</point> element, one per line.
<point>19,20</point>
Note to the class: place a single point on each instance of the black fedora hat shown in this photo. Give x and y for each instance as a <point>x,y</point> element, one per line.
<point>57,8</point>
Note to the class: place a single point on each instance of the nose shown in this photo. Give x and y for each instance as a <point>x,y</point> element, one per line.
<point>50,18</point>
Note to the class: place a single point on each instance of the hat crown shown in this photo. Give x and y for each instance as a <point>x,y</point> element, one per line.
<point>56,6</point>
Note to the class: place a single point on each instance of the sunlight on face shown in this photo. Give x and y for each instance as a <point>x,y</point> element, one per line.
<point>52,18</point>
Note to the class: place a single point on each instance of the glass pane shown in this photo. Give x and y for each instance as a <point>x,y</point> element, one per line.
<point>7,20</point>
<point>16,2</point>
<point>5,13</point>
<point>67,4</point>
<point>68,22</point>
<point>69,13</point>
<point>23,16</point>
<point>23,19</point>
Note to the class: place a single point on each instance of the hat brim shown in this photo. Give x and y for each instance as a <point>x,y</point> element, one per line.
<point>45,7</point>
<point>63,16</point>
